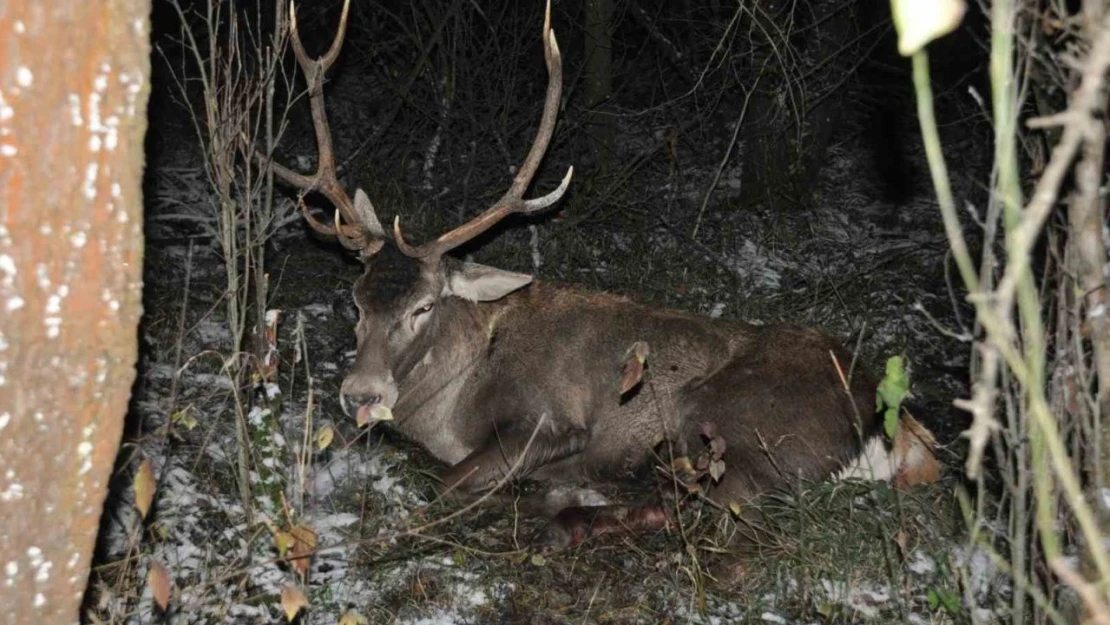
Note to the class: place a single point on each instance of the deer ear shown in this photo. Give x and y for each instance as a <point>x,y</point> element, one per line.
<point>480,283</point>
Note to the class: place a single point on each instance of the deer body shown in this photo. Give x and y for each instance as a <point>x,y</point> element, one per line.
<point>492,369</point>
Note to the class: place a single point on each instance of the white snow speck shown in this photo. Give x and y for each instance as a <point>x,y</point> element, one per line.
<point>7,265</point>
<point>15,302</point>
<point>53,326</point>
<point>921,564</point>
<point>24,77</point>
<point>89,185</point>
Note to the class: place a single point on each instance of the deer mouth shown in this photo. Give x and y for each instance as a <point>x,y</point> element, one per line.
<point>369,414</point>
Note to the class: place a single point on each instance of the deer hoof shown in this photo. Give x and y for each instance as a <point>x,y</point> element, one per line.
<point>558,535</point>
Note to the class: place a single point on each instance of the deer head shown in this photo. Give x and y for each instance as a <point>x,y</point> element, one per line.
<point>408,295</point>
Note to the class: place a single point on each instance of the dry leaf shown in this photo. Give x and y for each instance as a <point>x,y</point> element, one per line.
<point>158,578</point>
<point>304,544</point>
<point>184,418</point>
<point>716,469</point>
<point>292,601</point>
<point>681,466</point>
<point>369,416</point>
<point>283,541</point>
<point>902,540</point>
<point>381,413</point>
<point>734,508</point>
<point>324,436</point>
<point>350,617</point>
<point>143,485</point>
<point>633,371</point>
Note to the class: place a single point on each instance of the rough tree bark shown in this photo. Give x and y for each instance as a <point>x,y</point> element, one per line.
<point>73,92</point>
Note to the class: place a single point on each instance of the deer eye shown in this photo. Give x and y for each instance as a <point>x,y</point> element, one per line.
<point>423,309</point>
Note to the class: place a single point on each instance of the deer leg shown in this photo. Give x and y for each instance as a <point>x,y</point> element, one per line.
<point>494,461</point>
<point>571,526</point>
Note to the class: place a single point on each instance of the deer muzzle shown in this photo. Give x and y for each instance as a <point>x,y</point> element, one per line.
<point>363,396</point>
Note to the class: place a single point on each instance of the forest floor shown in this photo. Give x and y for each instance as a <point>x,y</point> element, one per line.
<point>867,269</point>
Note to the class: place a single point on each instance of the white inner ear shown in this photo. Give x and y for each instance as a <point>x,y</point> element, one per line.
<point>480,283</point>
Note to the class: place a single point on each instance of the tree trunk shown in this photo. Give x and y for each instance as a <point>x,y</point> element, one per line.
<point>599,79</point>
<point>73,92</point>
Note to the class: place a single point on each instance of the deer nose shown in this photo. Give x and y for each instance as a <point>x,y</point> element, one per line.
<point>353,401</point>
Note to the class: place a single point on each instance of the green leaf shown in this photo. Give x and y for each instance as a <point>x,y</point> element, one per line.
<point>891,391</point>
<point>949,600</point>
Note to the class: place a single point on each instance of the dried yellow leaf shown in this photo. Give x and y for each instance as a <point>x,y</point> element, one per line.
<point>350,617</point>
<point>184,418</point>
<point>369,416</point>
<point>283,541</point>
<point>292,601</point>
<point>324,437</point>
<point>144,485</point>
<point>158,578</point>
<point>381,413</point>
<point>304,544</point>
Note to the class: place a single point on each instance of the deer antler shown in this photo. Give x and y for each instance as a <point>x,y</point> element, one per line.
<point>513,201</point>
<point>359,215</point>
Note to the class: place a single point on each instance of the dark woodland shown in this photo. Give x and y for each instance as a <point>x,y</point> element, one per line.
<point>762,162</point>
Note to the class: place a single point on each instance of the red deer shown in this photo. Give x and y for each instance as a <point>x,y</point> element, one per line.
<point>490,370</point>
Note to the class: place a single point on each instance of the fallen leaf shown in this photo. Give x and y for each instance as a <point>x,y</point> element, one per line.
<point>703,462</point>
<point>292,601</point>
<point>633,371</point>
<point>538,559</point>
<point>324,437</point>
<point>158,578</point>
<point>708,429</point>
<point>144,485</point>
<point>717,446</point>
<point>283,541</point>
<point>717,469</point>
<point>681,466</point>
<point>304,544</point>
<point>734,508</point>
<point>902,541</point>
<point>184,418</point>
<point>350,617</point>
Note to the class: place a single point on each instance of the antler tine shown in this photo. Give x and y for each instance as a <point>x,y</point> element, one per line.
<point>513,200</point>
<point>351,234</point>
